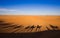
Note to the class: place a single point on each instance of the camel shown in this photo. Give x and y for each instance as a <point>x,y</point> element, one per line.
<point>38,27</point>
<point>53,27</point>
<point>1,21</point>
<point>8,26</point>
<point>32,27</point>
<point>5,25</point>
<point>27,27</point>
<point>47,28</point>
<point>19,28</point>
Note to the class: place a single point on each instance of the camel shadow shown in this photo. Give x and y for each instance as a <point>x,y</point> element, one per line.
<point>53,27</point>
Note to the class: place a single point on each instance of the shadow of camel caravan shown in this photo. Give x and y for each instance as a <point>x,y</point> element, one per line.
<point>39,34</point>
<point>11,26</point>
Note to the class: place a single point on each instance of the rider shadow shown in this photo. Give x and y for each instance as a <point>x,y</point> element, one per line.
<point>38,27</point>
<point>27,28</point>
<point>3,23</point>
<point>17,28</point>
<point>8,26</point>
<point>53,27</point>
<point>48,28</point>
<point>32,28</point>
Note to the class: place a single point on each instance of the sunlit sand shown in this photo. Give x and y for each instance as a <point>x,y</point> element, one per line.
<point>26,20</point>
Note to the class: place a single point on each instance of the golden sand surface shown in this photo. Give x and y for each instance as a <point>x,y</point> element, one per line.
<point>32,20</point>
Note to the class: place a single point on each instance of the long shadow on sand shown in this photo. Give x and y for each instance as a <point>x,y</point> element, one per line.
<point>41,34</point>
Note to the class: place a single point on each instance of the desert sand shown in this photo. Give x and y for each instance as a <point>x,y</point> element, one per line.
<point>32,20</point>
